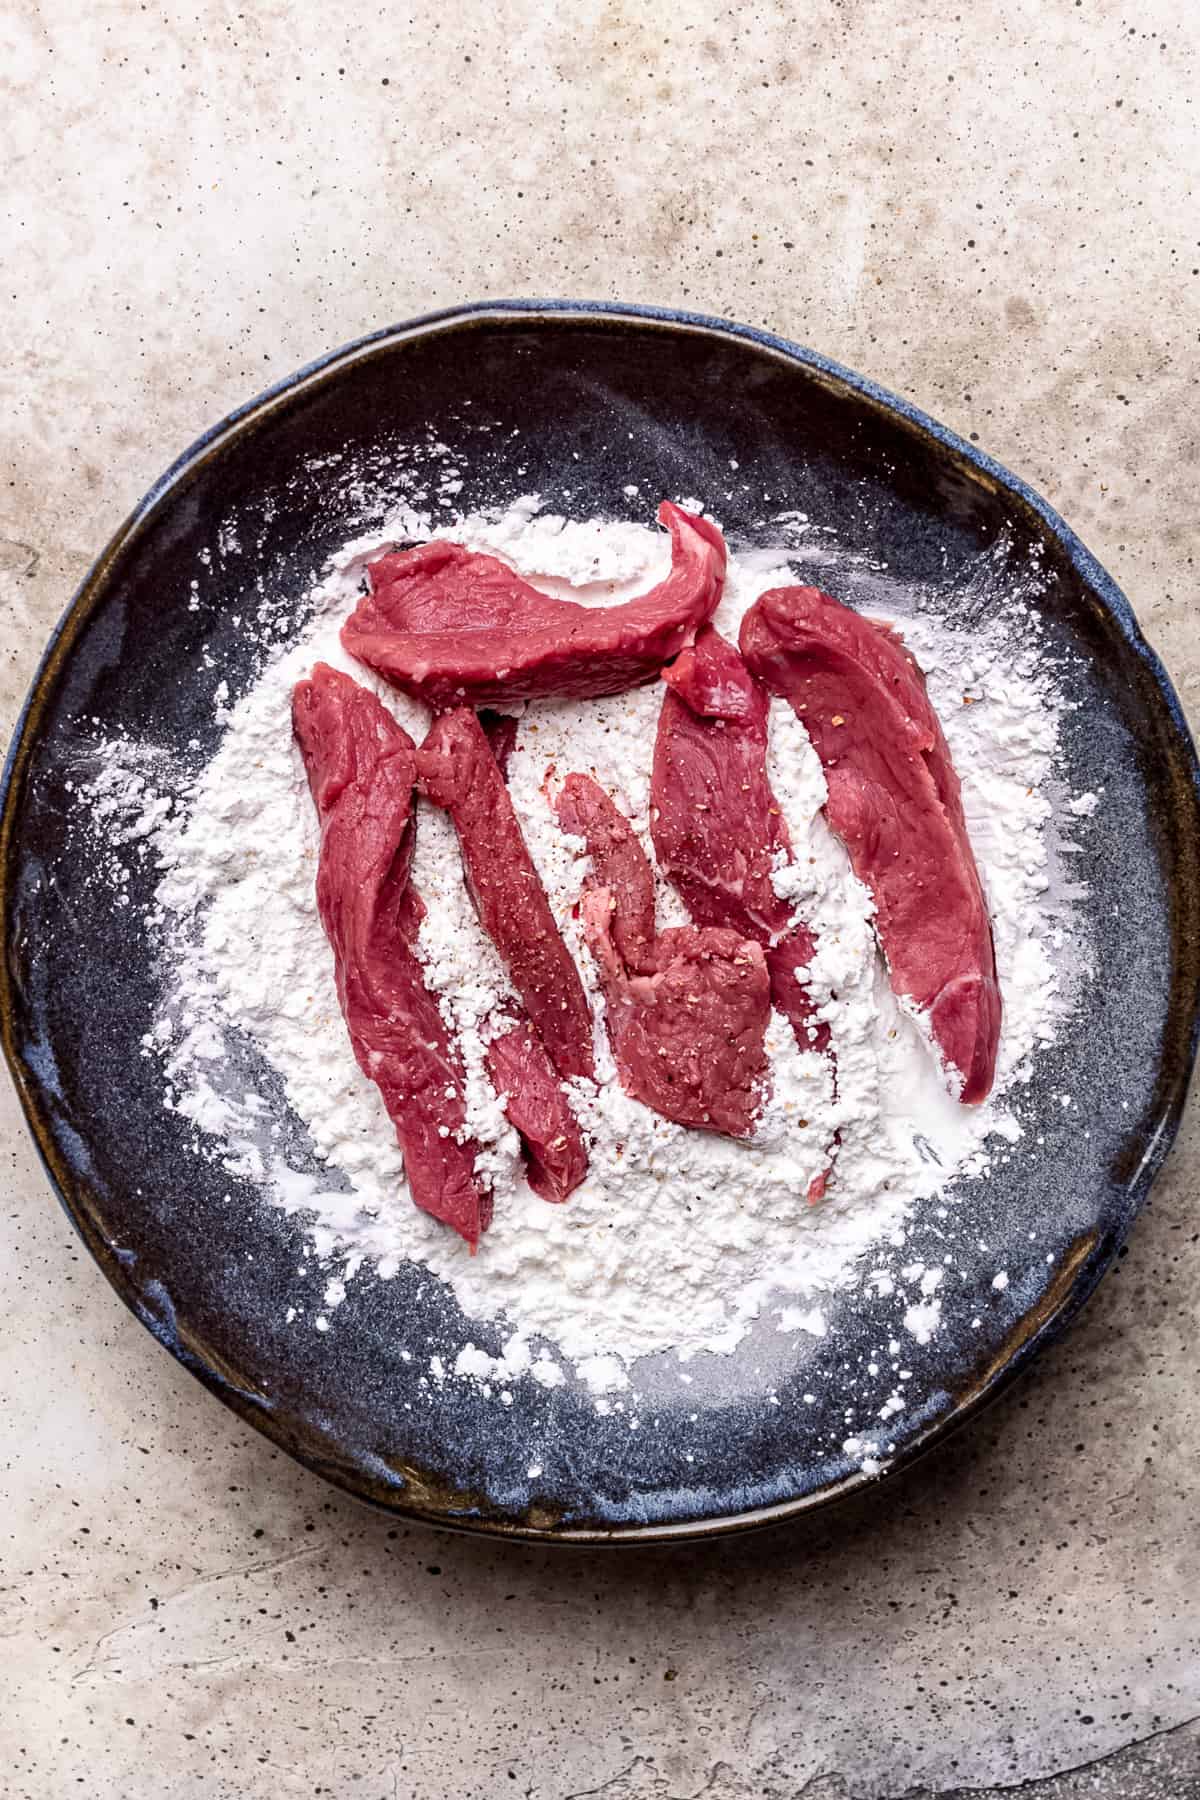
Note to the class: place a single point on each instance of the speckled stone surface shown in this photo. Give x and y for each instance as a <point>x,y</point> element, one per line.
<point>990,209</point>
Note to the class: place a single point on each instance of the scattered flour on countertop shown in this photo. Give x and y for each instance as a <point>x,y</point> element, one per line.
<point>677,1240</point>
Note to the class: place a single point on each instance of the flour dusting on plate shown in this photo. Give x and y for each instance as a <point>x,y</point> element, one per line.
<point>678,1241</point>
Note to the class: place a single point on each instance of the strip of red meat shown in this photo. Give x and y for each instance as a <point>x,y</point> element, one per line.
<point>555,1158</point>
<point>457,770</point>
<point>453,627</point>
<point>688,1008</point>
<point>361,769</point>
<point>716,825</point>
<point>618,863</point>
<point>894,801</point>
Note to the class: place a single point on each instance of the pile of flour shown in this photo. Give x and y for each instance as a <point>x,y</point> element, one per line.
<point>678,1240</point>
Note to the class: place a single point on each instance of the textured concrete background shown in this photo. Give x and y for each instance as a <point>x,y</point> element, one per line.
<point>990,207</point>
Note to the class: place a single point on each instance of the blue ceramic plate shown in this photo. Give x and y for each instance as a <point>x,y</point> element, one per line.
<point>622,395</point>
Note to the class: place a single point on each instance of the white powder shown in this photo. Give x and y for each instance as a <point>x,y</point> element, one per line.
<point>677,1240</point>
<point>923,1319</point>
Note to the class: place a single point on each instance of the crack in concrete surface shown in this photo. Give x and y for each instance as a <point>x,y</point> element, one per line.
<point>16,558</point>
<point>241,1572</point>
<point>1163,1766</point>
<point>660,1789</point>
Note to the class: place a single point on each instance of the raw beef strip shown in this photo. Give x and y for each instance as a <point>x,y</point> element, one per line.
<point>555,1159</point>
<point>716,827</point>
<point>452,626</point>
<point>361,769</point>
<point>618,862</point>
<point>894,801</point>
<point>687,1019</point>
<point>718,830</point>
<point>457,770</point>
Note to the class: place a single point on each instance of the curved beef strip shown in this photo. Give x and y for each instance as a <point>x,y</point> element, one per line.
<point>361,769</point>
<point>688,1008</point>
<point>461,767</point>
<point>456,770</point>
<point>894,801</point>
<point>555,1158</point>
<point>454,627</point>
<point>717,829</point>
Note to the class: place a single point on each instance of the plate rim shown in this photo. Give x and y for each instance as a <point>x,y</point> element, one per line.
<point>1081,1269</point>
